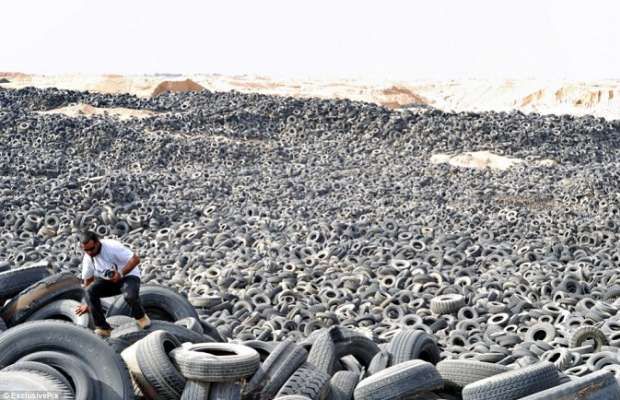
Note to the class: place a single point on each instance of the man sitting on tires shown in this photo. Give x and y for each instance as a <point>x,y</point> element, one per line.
<point>108,269</point>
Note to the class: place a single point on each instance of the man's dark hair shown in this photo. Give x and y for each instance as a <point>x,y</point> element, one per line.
<point>87,236</point>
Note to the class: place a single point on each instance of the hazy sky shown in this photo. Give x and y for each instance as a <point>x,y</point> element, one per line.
<point>380,39</point>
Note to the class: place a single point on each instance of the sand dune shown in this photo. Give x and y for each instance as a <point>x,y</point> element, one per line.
<point>599,98</point>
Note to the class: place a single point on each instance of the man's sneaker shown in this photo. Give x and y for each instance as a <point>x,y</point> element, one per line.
<point>103,332</point>
<point>144,322</point>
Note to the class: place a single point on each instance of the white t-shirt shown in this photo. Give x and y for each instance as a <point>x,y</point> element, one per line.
<point>113,255</point>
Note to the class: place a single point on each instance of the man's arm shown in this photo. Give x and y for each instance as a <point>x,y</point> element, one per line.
<point>131,264</point>
<point>88,281</point>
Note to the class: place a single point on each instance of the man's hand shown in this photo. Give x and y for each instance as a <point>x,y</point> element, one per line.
<point>81,309</point>
<point>116,278</point>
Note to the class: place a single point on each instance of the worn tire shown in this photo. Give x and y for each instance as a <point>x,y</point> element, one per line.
<point>342,385</point>
<point>15,280</point>
<point>274,371</point>
<point>126,335</point>
<point>411,344</point>
<point>62,310</point>
<point>196,390</point>
<point>322,354</point>
<point>447,303</point>
<point>460,373</point>
<point>28,381</point>
<point>160,303</point>
<point>379,362</point>
<point>588,333</point>
<point>41,369</point>
<point>141,386</point>
<point>190,323</point>
<point>59,286</point>
<point>225,391</point>
<point>406,379</point>
<point>599,385</point>
<point>156,366</point>
<point>514,384</point>
<point>72,367</point>
<point>104,364</point>
<point>204,362</point>
<point>306,381</point>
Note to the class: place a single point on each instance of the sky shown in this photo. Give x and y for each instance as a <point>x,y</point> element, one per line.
<point>407,39</point>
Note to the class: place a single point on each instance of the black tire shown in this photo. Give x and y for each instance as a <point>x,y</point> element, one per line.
<point>447,303</point>
<point>411,344</point>
<point>160,303</point>
<point>62,310</point>
<point>322,354</point>
<point>514,384</point>
<point>379,362</point>
<point>14,281</point>
<point>196,390</point>
<point>216,362</point>
<point>156,366</point>
<point>342,385</point>
<point>56,287</point>
<point>350,342</point>
<point>460,373</point>
<point>75,369</point>
<point>104,365</point>
<point>306,381</point>
<point>191,323</point>
<point>126,335</point>
<point>141,386</point>
<point>212,331</point>
<point>225,391</point>
<point>586,333</point>
<point>406,379</point>
<point>264,349</point>
<point>599,385</point>
<point>22,381</point>
<point>118,320</point>
<point>275,370</point>
<point>42,369</point>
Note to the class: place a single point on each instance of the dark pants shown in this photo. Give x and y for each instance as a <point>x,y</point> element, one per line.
<point>129,286</point>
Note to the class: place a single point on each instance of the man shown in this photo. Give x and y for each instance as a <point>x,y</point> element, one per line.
<point>109,269</point>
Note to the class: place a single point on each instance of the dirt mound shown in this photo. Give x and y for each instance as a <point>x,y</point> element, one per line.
<point>483,160</point>
<point>399,96</point>
<point>4,80</point>
<point>187,85</point>
<point>86,110</point>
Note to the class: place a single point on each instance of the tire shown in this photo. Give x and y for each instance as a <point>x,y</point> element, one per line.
<point>22,381</point>
<point>274,371</point>
<point>306,381</point>
<point>545,332</point>
<point>42,369</point>
<point>399,382</point>
<point>128,334</point>
<point>204,363</point>
<point>460,373</point>
<point>212,331</point>
<point>140,385</point>
<point>293,397</point>
<point>264,349</point>
<point>191,323</point>
<point>75,369</point>
<point>160,303</point>
<point>379,362</point>
<point>599,385</point>
<point>62,310</point>
<point>196,391</point>
<point>411,344</point>
<point>14,281</point>
<point>39,294</point>
<point>585,333</point>
<point>322,354</point>
<point>156,366</point>
<point>447,304</point>
<point>104,365</point>
<point>118,320</point>
<point>225,391</point>
<point>514,384</point>
<point>342,385</point>
<point>350,342</point>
